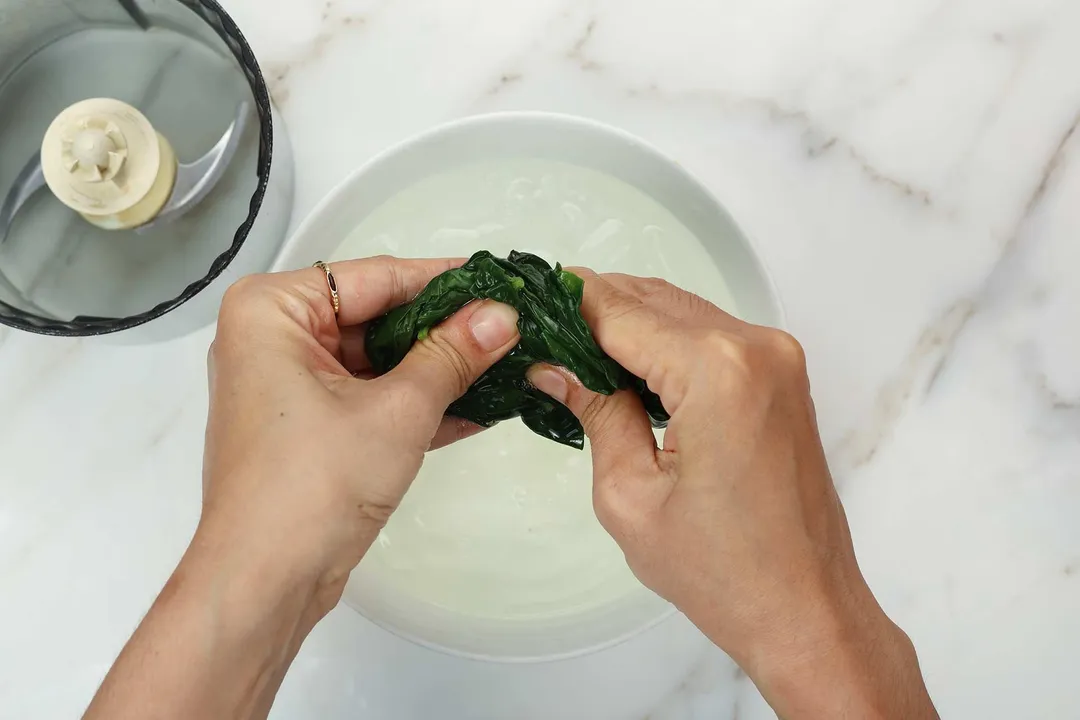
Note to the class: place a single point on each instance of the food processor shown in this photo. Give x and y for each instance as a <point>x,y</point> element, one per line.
<point>143,167</point>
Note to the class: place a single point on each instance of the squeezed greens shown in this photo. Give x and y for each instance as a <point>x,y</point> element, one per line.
<point>553,331</point>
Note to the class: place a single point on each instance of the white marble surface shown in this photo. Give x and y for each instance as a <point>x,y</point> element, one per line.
<point>910,169</point>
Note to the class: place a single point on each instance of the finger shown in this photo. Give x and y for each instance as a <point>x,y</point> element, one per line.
<point>262,321</point>
<point>297,307</point>
<point>374,286</point>
<point>370,287</point>
<point>353,356</point>
<point>617,426</point>
<point>671,299</point>
<point>642,339</point>
<point>453,429</point>
<point>441,367</point>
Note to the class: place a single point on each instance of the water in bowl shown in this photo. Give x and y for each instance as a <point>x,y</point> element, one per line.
<point>501,526</point>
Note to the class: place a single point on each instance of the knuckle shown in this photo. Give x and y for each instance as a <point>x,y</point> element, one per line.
<point>251,298</point>
<point>786,349</point>
<point>396,288</point>
<point>767,356</point>
<point>626,315</point>
<point>683,303</point>
<point>618,511</point>
<point>375,512</point>
<point>617,305</point>
<point>729,360</point>
<point>296,305</point>
<point>242,290</point>
<point>596,414</point>
<point>618,310</point>
<point>455,363</point>
<point>724,349</point>
<point>652,286</point>
<point>455,367</point>
<point>611,509</point>
<point>694,306</point>
<point>241,297</point>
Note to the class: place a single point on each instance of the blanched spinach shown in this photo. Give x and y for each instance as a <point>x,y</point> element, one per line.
<point>552,330</point>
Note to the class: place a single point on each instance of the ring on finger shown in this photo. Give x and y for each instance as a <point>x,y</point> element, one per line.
<point>335,298</point>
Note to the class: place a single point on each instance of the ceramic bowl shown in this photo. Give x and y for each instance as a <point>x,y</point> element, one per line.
<point>551,137</point>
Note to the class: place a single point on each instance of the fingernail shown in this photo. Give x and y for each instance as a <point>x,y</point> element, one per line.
<point>493,325</point>
<point>549,381</point>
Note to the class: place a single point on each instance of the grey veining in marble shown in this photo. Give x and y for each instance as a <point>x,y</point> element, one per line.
<point>909,169</point>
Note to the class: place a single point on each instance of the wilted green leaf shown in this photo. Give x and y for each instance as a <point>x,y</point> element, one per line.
<point>552,329</point>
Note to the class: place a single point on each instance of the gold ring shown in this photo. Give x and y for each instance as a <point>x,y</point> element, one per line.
<point>332,284</point>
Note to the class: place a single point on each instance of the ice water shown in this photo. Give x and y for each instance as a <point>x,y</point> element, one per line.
<point>501,526</point>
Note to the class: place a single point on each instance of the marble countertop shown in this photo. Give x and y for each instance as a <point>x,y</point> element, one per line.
<point>909,169</point>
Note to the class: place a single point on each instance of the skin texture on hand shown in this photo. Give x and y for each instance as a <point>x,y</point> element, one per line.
<point>306,457</point>
<point>736,520</point>
<point>295,439</point>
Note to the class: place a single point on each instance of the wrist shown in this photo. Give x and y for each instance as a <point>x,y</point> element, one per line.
<point>281,554</point>
<point>845,662</point>
<point>249,574</point>
<point>217,641</point>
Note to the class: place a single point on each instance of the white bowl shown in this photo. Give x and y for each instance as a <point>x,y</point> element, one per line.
<point>550,137</point>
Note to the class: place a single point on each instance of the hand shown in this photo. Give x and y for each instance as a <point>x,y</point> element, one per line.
<point>736,520</point>
<point>307,454</point>
<point>304,464</point>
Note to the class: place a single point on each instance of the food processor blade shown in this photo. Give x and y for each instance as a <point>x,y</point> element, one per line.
<point>194,180</point>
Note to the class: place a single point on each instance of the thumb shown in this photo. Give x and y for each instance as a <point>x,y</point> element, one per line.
<point>442,366</point>
<point>619,430</point>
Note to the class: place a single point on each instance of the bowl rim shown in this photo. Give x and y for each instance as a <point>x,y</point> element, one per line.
<point>494,119</point>
<point>338,195</point>
<point>667,613</point>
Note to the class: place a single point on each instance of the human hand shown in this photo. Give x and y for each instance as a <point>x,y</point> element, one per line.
<point>305,462</point>
<point>736,520</point>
